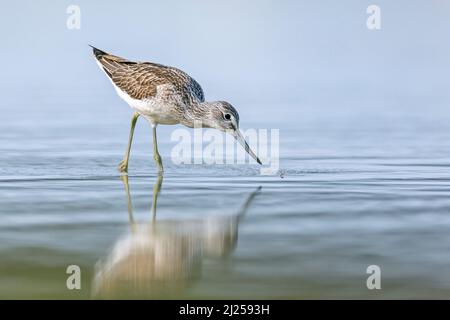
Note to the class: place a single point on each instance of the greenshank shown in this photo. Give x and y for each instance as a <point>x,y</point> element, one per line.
<point>166,95</point>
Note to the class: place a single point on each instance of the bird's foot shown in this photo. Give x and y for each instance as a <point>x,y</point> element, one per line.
<point>123,166</point>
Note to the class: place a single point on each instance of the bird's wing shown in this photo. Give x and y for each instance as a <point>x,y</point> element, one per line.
<point>140,80</point>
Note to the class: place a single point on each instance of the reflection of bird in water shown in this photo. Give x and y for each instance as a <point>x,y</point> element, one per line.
<point>161,258</point>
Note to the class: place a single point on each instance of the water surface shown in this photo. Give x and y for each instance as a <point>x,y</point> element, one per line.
<point>359,188</point>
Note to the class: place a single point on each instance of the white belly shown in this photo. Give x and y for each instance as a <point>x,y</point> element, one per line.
<point>156,110</point>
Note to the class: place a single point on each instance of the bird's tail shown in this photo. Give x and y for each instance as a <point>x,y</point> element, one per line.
<point>108,62</point>
<point>102,55</point>
<point>98,53</point>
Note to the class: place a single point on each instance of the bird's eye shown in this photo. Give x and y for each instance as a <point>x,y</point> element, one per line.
<point>227,116</point>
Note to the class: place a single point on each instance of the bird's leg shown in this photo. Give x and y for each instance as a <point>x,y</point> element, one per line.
<point>124,179</point>
<point>156,189</point>
<point>156,155</point>
<point>123,165</point>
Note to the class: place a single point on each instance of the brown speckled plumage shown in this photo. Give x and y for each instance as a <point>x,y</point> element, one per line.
<point>166,95</point>
<point>141,79</point>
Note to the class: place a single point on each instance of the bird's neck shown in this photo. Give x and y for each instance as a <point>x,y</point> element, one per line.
<point>197,115</point>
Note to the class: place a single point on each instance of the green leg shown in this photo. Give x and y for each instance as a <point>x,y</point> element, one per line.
<point>156,189</point>
<point>123,165</point>
<point>156,155</point>
<point>124,179</point>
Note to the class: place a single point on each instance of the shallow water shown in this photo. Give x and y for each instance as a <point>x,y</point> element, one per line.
<point>360,187</point>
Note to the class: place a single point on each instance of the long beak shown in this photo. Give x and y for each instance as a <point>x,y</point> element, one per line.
<point>238,135</point>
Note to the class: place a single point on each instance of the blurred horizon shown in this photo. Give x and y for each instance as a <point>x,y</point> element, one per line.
<point>247,52</point>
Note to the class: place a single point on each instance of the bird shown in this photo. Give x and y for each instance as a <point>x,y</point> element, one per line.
<point>168,96</point>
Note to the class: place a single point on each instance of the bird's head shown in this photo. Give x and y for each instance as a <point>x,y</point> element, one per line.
<point>225,117</point>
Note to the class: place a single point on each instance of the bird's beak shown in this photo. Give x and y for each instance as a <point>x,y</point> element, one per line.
<point>238,135</point>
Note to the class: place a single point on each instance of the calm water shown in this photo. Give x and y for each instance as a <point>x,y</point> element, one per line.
<point>364,139</point>
<point>360,187</point>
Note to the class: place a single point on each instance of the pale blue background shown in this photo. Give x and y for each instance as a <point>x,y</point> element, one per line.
<point>364,139</point>
<point>252,51</point>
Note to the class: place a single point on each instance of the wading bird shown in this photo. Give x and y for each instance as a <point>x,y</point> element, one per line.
<point>166,95</point>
